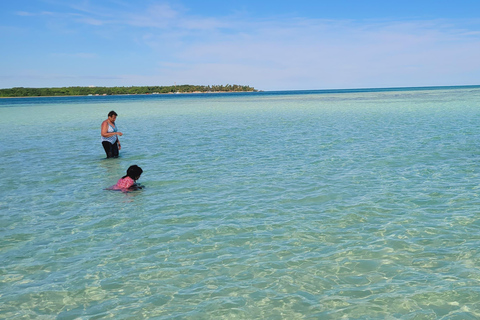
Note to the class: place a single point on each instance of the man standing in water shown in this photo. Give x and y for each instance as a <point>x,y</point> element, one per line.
<point>109,132</point>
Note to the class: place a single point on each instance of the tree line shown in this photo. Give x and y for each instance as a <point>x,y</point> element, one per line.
<point>84,91</point>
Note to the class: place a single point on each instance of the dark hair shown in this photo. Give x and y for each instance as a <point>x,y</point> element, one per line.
<point>134,172</point>
<point>112,113</point>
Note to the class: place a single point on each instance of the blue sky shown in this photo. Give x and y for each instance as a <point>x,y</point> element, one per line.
<point>271,45</point>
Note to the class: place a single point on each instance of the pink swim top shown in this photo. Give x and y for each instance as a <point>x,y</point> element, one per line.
<point>124,183</point>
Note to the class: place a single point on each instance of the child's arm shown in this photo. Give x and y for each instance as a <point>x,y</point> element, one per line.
<point>136,186</point>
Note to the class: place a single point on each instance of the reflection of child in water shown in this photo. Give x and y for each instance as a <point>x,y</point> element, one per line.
<point>128,182</point>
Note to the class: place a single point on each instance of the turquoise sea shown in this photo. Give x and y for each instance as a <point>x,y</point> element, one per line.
<point>347,204</point>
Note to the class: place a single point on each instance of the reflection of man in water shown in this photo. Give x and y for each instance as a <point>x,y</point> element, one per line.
<point>109,132</point>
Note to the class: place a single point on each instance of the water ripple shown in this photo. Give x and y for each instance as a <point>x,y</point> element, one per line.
<point>331,206</point>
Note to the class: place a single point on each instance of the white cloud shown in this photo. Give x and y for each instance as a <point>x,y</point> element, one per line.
<point>91,21</point>
<point>32,14</point>
<point>342,54</point>
<point>25,14</point>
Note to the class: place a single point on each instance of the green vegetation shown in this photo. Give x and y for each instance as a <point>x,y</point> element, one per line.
<point>84,91</point>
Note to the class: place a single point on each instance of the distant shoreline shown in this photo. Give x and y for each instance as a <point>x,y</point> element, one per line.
<point>128,94</point>
<point>22,92</point>
<point>252,90</point>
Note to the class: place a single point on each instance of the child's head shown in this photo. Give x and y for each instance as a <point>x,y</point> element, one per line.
<point>134,172</point>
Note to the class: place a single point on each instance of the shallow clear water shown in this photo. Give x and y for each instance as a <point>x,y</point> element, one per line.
<point>360,205</point>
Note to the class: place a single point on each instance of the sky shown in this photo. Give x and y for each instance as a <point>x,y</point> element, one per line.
<point>269,45</point>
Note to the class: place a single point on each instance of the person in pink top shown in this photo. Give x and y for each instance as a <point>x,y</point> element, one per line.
<point>128,182</point>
